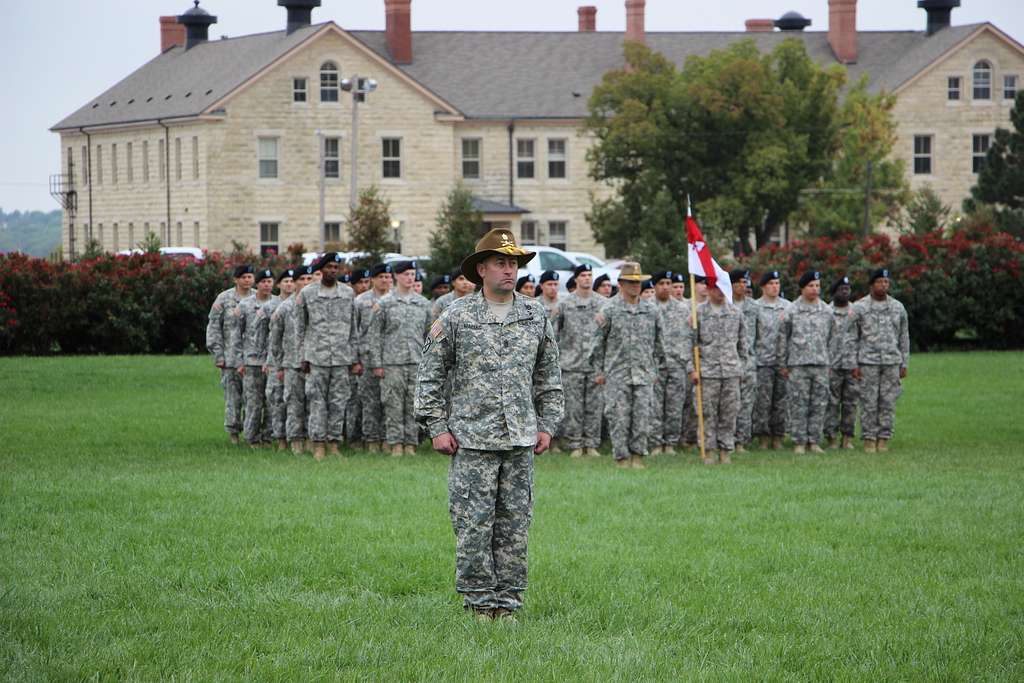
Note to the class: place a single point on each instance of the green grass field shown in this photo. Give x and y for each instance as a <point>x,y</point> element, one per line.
<point>138,545</point>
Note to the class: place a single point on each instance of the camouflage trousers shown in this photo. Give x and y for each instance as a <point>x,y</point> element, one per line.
<point>670,390</point>
<point>720,398</point>
<point>629,409</point>
<point>231,382</point>
<point>808,402</point>
<point>354,411</point>
<point>254,387</point>
<point>745,418</point>
<point>275,405</point>
<point>880,387</point>
<point>583,407</point>
<point>327,390</point>
<point>373,409</point>
<point>490,498</point>
<point>844,392</point>
<point>770,408</point>
<point>690,415</point>
<point>397,391</point>
<point>295,404</point>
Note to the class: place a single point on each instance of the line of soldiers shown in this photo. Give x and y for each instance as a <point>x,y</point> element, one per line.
<point>333,358</point>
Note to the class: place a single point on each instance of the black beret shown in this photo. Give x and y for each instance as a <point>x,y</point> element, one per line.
<point>839,283</point>
<point>244,269</point>
<point>287,272</point>
<point>881,272</point>
<point>676,276</point>
<point>769,276</point>
<point>523,280</point>
<point>441,280</point>
<point>548,275</point>
<point>402,266</point>
<point>419,275</point>
<point>456,274</point>
<point>738,275</point>
<point>647,284</point>
<point>615,290</point>
<point>380,269</point>
<point>700,278</point>
<point>601,279</point>
<point>663,275</point>
<point>329,257</point>
<point>265,274</point>
<point>582,268</point>
<point>363,274</point>
<point>809,277</point>
<point>307,270</point>
<point>570,284</point>
<point>346,278</point>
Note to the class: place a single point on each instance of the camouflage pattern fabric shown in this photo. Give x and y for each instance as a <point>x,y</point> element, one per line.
<point>629,409</point>
<point>721,400</point>
<point>722,339</point>
<point>844,394</point>
<point>295,402</point>
<point>748,382</point>
<point>808,401</point>
<point>327,388</point>
<point>325,325</point>
<point>881,332</point>
<point>584,403</point>
<point>628,343</point>
<point>769,325</point>
<point>223,335</point>
<point>231,383</point>
<point>880,387</point>
<point>371,408</point>
<point>254,387</point>
<point>770,409</point>
<point>669,395</point>
<point>398,393</point>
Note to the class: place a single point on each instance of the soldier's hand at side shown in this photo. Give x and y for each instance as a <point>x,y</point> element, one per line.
<point>220,364</point>
<point>305,367</point>
<point>543,442</point>
<point>903,373</point>
<point>599,380</point>
<point>784,372</point>
<point>695,378</point>
<point>356,369</point>
<point>856,374</point>
<point>445,443</point>
<point>280,375</point>
<point>241,370</point>
<point>266,370</point>
<point>378,372</point>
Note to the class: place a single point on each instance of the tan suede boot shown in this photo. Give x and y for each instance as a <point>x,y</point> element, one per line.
<point>883,445</point>
<point>847,443</point>
<point>297,447</point>
<point>397,450</point>
<point>833,443</point>
<point>373,447</point>
<point>357,445</point>
<point>637,462</point>
<point>776,443</point>
<point>668,450</point>
<point>709,461</point>
<point>576,453</point>
<point>657,450</point>
<point>234,439</point>
<point>799,449</point>
<point>870,446</point>
<point>318,451</point>
<point>410,449</point>
<point>591,453</point>
<point>622,464</point>
<point>724,458</point>
<point>333,449</point>
<point>740,448</point>
<point>815,448</point>
<point>282,445</point>
<point>308,446</point>
<point>505,616</point>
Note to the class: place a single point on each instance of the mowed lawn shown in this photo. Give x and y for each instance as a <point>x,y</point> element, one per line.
<point>137,544</point>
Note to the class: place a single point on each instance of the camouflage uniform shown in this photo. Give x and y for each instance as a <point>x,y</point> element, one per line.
<point>369,386</point>
<point>770,408</point>
<point>883,349</point>
<point>325,325</point>
<point>722,339</point>
<point>395,343</point>
<point>672,386</point>
<point>224,342</point>
<point>505,388</point>
<point>254,327</point>
<point>441,303</point>
<point>628,341</point>
<point>748,382</point>
<point>285,352</point>
<point>550,306</point>
<point>844,390</point>
<point>575,324</point>
<point>807,343</point>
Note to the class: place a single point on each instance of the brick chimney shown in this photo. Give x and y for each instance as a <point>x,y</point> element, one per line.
<point>760,25</point>
<point>171,33</point>
<point>399,30</point>
<point>842,29</point>
<point>588,18</point>
<point>635,20</point>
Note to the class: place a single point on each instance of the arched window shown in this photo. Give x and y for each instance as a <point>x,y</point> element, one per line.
<point>982,81</point>
<point>328,82</point>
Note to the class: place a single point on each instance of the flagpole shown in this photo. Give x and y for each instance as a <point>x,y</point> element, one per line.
<point>696,353</point>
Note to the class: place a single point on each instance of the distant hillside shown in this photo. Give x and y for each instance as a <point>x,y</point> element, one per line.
<point>32,232</point>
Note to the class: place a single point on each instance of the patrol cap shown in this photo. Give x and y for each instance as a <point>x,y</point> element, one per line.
<point>738,275</point>
<point>881,272</point>
<point>329,257</point>
<point>265,274</point>
<point>441,280</point>
<point>582,268</point>
<point>400,267</point>
<point>809,277</point>
<point>769,276</point>
<point>287,272</point>
<point>570,284</point>
<point>380,269</point>
<point>601,279</point>
<point>523,280</point>
<point>244,269</point>
<point>548,276</point>
<point>662,275</point>
<point>844,280</point>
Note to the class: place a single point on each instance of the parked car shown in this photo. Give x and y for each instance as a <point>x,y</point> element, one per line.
<point>589,259</point>
<point>187,254</point>
<point>550,258</point>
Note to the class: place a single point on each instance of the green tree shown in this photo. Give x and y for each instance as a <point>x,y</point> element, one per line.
<point>459,227</point>
<point>370,226</point>
<point>658,238</point>
<point>150,243</point>
<point>834,204</point>
<point>1001,179</point>
<point>926,212</point>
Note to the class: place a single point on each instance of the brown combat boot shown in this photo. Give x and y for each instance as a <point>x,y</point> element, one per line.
<point>657,450</point>
<point>396,450</point>
<point>833,443</point>
<point>870,446</point>
<point>591,453</point>
<point>668,450</point>
<point>847,443</point>
<point>723,457</point>
<point>637,462</point>
<point>740,448</point>
<point>374,447</point>
<point>282,445</point>
<point>576,453</point>
<point>234,439</point>
<point>799,449</point>
<point>505,615</point>
<point>356,445</point>
<point>776,443</point>
<point>709,460</point>
<point>622,464</point>
<point>318,451</point>
<point>883,445</point>
<point>410,449</point>
<point>308,446</point>
<point>333,448</point>
<point>815,448</point>
<point>297,447</point>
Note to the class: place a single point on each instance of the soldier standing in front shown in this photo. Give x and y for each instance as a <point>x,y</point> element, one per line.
<point>276,408</point>
<point>369,384</point>
<point>770,408</point>
<point>497,352</point>
<point>285,354</point>
<point>224,342</point>
<point>844,390</point>
<point>672,386</point>
<point>881,330</point>
<point>740,279</point>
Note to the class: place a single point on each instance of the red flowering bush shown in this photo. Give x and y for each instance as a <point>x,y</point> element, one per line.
<point>963,286</point>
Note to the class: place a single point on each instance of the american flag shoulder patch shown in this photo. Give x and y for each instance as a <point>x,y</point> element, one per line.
<point>435,329</point>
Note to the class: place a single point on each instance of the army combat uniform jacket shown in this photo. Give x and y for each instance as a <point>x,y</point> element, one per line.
<point>223,331</point>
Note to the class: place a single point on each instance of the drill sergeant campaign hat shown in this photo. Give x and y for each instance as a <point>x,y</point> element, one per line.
<point>497,242</point>
<point>632,272</point>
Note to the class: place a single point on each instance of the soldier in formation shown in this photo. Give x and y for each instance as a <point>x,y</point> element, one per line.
<point>672,387</point>
<point>844,390</point>
<point>223,340</point>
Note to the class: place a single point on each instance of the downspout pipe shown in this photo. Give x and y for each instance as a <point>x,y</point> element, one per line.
<point>88,172</point>
<point>167,173</point>
<point>511,164</point>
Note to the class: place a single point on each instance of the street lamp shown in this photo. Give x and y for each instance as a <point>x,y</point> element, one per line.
<point>360,88</point>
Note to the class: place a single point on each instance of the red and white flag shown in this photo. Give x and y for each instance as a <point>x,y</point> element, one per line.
<point>701,261</point>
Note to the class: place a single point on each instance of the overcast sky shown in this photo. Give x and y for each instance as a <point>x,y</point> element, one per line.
<point>59,54</point>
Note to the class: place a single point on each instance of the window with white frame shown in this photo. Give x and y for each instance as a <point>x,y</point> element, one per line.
<point>981,143</point>
<point>145,161</point>
<point>195,158</point>
<point>528,232</point>
<point>177,158</point>
<point>332,157</point>
<point>392,158</point>
<point>161,159</point>
<point>982,77</point>
<point>268,239</point>
<point>85,165</point>
<point>1010,87</point>
<point>525,158</point>
<point>300,89</point>
<point>116,245</point>
<point>332,231</point>
<point>195,234</point>
<point>180,235</point>
<point>556,158</point>
<point>953,88</point>
<point>471,158</point>
<point>99,235</point>
<point>129,162</point>
<point>268,157</point>
<point>131,235</point>
<point>922,154</point>
<point>165,234</point>
<point>113,163</point>
<point>557,234</point>
<point>329,82</point>
<point>99,164</point>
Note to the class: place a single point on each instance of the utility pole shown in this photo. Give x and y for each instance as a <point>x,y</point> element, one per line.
<point>359,87</point>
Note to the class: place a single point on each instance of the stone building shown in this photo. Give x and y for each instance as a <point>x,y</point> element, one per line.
<point>250,139</point>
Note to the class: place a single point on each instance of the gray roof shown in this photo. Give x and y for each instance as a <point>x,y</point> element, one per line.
<point>485,74</point>
<point>490,206</point>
